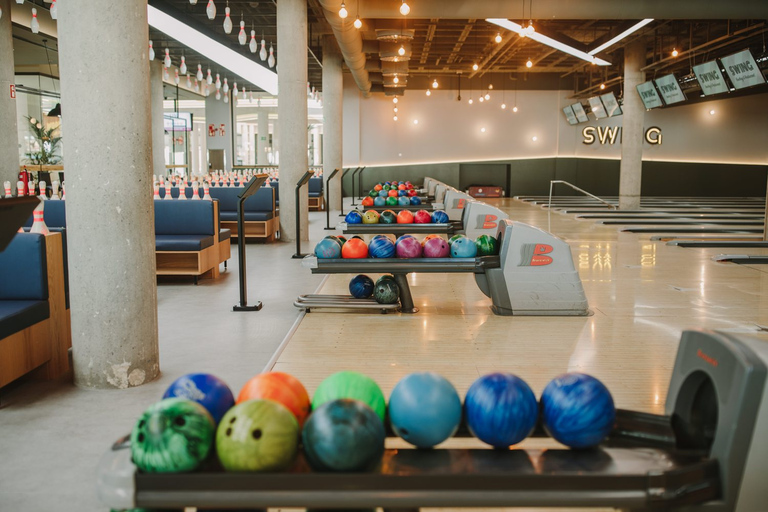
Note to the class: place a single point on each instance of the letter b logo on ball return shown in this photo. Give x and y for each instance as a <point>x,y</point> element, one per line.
<point>533,255</point>
<point>487,222</point>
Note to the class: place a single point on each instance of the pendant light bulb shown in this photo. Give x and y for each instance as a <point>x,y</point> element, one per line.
<point>401,50</point>
<point>529,29</point>
<point>529,64</point>
<point>227,21</point>
<point>395,100</point>
<point>470,101</point>
<point>503,106</point>
<point>487,96</point>
<point>358,24</point>
<point>514,109</point>
<point>490,87</point>
<point>498,37</point>
<point>435,85</point>
<point>675,53</point>
<point>210,10</point>
<point>343,13</point>
<point>395,110</point>
<point>395,118</point>
<point>405,8</point>
<point>429,93</point>
<point>475,67</point>
<point>481,99</point>
<point>396,80</point>
<point>602,86</point>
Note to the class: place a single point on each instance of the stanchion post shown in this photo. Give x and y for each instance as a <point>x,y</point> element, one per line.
<point>353,185</point>
<point>251,188</point>
<point>328,200</point>
<point>303,181</point>
<point>341,213</point>
<point>360,183</point>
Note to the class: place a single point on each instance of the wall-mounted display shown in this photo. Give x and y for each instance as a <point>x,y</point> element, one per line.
<point>612,107</point>
<point>581,114</point>
<point>597,107</point>
<point>742,70</point>
<point>570,116</point>
<point>649,95</point>
<point>711,80</point>
<point>670,90</point>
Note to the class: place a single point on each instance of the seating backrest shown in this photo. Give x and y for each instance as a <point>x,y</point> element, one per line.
<point>315,185</point>
<point>54,214</point>
<point>262,201</point>
<point>24,268</point>
<point>184,218</point>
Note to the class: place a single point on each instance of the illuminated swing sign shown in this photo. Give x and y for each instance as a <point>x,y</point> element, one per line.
<point>610,134</point>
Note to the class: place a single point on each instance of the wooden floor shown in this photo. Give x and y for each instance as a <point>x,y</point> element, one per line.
<point>643,295</point>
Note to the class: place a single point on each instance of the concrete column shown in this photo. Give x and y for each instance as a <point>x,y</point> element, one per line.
<point>632,128</point>
<point>110,211</point>
<point>262,142</point>
<point>292,113</point>
<point>218,113</point>
<point>317,145</point>
<point>275,135</point>
<point>333,91</point>
<point>158,124</point>
<point>9,142</point>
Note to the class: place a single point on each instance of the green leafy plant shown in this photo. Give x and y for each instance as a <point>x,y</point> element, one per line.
<point>47,144</point>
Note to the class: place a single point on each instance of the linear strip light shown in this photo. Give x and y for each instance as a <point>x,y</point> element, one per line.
<point>557,45</point>
<point>633,28</point>
<point>255,73</point>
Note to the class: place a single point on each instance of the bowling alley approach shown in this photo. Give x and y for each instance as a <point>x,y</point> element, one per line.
<point>383,255</point>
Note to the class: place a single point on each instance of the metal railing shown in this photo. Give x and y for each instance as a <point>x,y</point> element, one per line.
<point>574,187</point>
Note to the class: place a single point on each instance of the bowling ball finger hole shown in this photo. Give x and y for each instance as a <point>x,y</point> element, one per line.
<point>141,438</point>
<point>179,421</point>
<point>228,432</point>
<point>256,434</point>
<point>232,419</point>
<point>404,432</point>
<point>141,424</point>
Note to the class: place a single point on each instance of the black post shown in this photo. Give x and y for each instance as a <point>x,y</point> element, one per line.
<point>303,181</point>
<point>341,213</point>
<point>251,188</point>
<point>353,185</point>
<point>360,183</point>
<point>328,200</point>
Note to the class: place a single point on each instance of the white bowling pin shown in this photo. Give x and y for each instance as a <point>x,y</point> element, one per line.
<point>55,189</point>
<point>31,189</point>
<point>7,186</point>
<point>182,191</point>
<point>42,195</point>
<point>195,190</point>
<point>167,192</point>
<point>38,226</point>
<point>206,194</point>
<point>157,191</point>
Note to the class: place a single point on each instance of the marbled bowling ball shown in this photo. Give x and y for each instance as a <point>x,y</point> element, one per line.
<point>392,193</point>
<point>401,186</point>
<point>428,238</point>
<point>412,192</point>
<point>387,217</point>
<point>391,201</point>
<point>367,201</point>
<point>454,238</point>
<point>379,201</point>
<point>377,187</point>
<point>405,217</point>
<point>354,217</point>
<point>408,246</point>
<point>381,247</point>
<point>373,193</point>
<point>439,217</point>
<point>487,245</point>
<point>336,239</point>
<point>422,217</point>
<point>463,248</point>
<point>415,201</point>
<point>208,390</point>
<point>386,291</point>
<point>328,249</point>
<point>382,193</point>
<point>361,286</point>
<point>402,193</point>
<point>436,248</point>
<point>403,201</point>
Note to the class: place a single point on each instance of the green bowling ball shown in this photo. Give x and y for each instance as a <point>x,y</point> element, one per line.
<point>388,217</point>
<point>453,239</point>
<point>386,290</point>
<point>386,187</point>
<point>373,193</point>
<point>257,435</point>
<point>391,201</point>
<point>487,245</point>
<point>172,436</point>
<point>352,385</point>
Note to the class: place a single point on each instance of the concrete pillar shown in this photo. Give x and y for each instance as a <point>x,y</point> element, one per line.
<point>632,127</point>
<point>9,142</point>
<point>333,91</point>
<point>218,113</point>
<point>262,142</point>
<point>275,136</point>
<point>110,211</point>
<point>158,124</point>
<point>317,145</point>
<point>292,113</point>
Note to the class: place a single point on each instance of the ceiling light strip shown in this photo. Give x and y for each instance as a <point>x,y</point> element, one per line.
<point>630,30</point>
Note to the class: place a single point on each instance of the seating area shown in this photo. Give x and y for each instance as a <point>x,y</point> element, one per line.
<point>260,212</point>
<point>34,319</point>
<point>316,198</point>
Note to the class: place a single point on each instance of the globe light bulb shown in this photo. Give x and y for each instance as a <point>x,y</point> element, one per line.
<point>358,23</point>
<point>429,93</point>
<point>475,66</point>
<point>470,101</point>
<point>602,86</point>
<point>396,80</point>
<point>503,106</point>
<point>490,87</point>
<point>343,11</point>
<point>498,37</point>
<point>514,109</point>
<point>395,110</point>
<point>401,50</point>
<point>395,118</point>
<point>675,53</point>
<point>481,99</point>
<point>529,29</point>
<point>529,64</point>
<point>394,100</point>
<point>405,8</point>
<point>435,85</point>
<point>487,96</point>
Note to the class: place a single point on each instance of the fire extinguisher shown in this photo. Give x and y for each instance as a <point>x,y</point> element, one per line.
<point>24,176</point>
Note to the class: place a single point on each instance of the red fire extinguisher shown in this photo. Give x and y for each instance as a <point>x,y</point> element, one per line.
<point>24,176</point>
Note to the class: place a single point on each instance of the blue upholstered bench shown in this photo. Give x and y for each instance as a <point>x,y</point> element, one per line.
<point>34,324</point>
<point>259,213</point>
<point>315,192</point>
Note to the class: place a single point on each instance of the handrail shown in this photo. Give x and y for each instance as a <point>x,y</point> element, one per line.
<point>552,183</point>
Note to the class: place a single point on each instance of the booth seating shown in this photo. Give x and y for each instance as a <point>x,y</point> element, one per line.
<point>260,215</point>
<point>276,187</point>
<point>55,218</point>
<point>34,321</point>
<point>188,241</point>
<point>316,199</point>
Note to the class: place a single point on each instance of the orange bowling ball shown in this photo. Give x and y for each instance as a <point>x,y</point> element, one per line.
<point>392,193</point>
<point>377,187</point>
<point>367,201</point>
<point>281,388</point>
<point>355,248</point>
<point>405,217</point>
<point>401,187</point>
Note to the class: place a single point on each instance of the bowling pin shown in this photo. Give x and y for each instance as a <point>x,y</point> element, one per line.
<point>63,192</point>
<point>167,192</point>
<point>157,192</point>
<point>31,188</point>
<point>182,191</point>
<point>55,189</point>
<point>42,195</point>
<point>242,38</point>
<point>195,190</point>
<point>34,25</point>
<point>253,46</point>
<point>7,186</point>
<point>206,195</point>
<point>38,226</point>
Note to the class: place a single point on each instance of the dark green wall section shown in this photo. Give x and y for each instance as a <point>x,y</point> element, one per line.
<point>600,177</point>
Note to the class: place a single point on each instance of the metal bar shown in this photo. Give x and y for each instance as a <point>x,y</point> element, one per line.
<point>341,213</point>
<point>251,188</point>
<point>328,200</point>
<point>574,187</point>
<point>360,183</point>
<point>405,266</point>
<point>302,181</point>
<point>353,185</point>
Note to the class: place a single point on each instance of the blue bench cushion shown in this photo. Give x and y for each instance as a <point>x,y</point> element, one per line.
<point>24,268</point>
<point>315,186</point>
<point>184,218</point>
<point>182,242</point>
<point>17,315</point>
<point>54,215</point>
<point>262,202</point>
<point>315,194</point>
<point>254,216</point>
<point>225,234</point>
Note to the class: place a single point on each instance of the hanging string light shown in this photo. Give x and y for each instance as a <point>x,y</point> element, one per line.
<point>357,23</point>
<point>498,37</point>
<point>343,13</point>
<point>405,8</point>
<point>529,63</point>
<point>435,85</point>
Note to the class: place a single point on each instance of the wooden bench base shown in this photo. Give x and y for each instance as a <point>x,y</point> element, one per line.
<point>255,229</point>
<point>316,204</point>
<point>203,263</point>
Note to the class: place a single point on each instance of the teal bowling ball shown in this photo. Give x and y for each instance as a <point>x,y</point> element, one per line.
<point>463,247</point>
<point>379,201</point>
<point>328,249</point>
<point>404,201</point>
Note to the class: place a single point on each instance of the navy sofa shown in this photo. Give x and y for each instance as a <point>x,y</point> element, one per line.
<point>260,213</point>
<point>315,192</point>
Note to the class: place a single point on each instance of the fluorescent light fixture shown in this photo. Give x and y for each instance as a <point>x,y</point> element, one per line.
<point>557,45</point>
<point>255,73</point>
<point>634,28</point>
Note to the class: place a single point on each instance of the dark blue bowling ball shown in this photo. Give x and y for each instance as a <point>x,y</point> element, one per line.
<point>424,409</point>
<point>501,409</point>
<point>439,217</point>
<point>343,435</point>
<point>361,286</point>
<point>415,200</point>
<point>381,247</point>
<point>354,217</point>
<point>577,410</point>
<point>379,201</point>
<point>327,248</point>
<point>402,193</point>
<point>208,390</point>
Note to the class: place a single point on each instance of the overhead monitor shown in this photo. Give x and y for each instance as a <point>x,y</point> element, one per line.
<point>711,80</point>
<point>670,90</point>
<point>649,95</point>
<point>742,70</point>
<point>570,116</point>
<point>581,114</point>
<point>612,107</point>
<point>596,105</point>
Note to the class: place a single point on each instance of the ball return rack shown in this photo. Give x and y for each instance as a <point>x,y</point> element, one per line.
<point>707,453</point>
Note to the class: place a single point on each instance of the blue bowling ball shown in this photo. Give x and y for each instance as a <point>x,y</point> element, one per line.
<point>209,391</point>
<point>439,217</point>
<point>381,247</point>
<point>379,201</point>
<point>404,201</point>
<point>354,217</point>
<point>415,200</point>
<point>463,247</point>
<point>361,286</point>
<point>577,410</point>
<point>383,193</point>
<point>424,409</point>
<point>402,193</point>
<point>327,248</point>
<point>501,409</point>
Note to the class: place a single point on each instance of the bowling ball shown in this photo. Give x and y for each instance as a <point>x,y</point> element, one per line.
<point>391,201</point>
<point>487,245</point>
<point>386,291</point>
<point>173,435</point>
<point>354,217</point>
<point>379,201</point>
<point>436,248</point>
<point>383,193</point>
<point>415,201</point>
<point>402,193</point>
<point>361,286</point>
<point>500,409</point>
<point>463,248</point>
<point>355,248</point>
<point>453,239</point>
<point>335,239</point>
<point>371,217</point>
<point>257,435</point>
<point>408,247</point>
<point>328,249</point>
<point>209,391</point>
<point>367,201</point>
<point>422,217</point>
<point>428,238</point>
<point>439,217</point>
<point>403,201</point>
<point>392,193</point>
<point>343,435</point>
<point>387,217</point>
<point>373,194</point>
<point>401,186</point>
<point>381,247</point>
<point>353,385</point>
<point>412,193</point>
<point>405,217</point>
<point>386,186</point>
<point>281,388</point>
<point>577,410</point>
<point>377,187</point>
<point>424,409</point>
<point>342,239</point>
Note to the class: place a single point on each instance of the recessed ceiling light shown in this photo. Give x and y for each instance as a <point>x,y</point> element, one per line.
<point>482,129</point>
